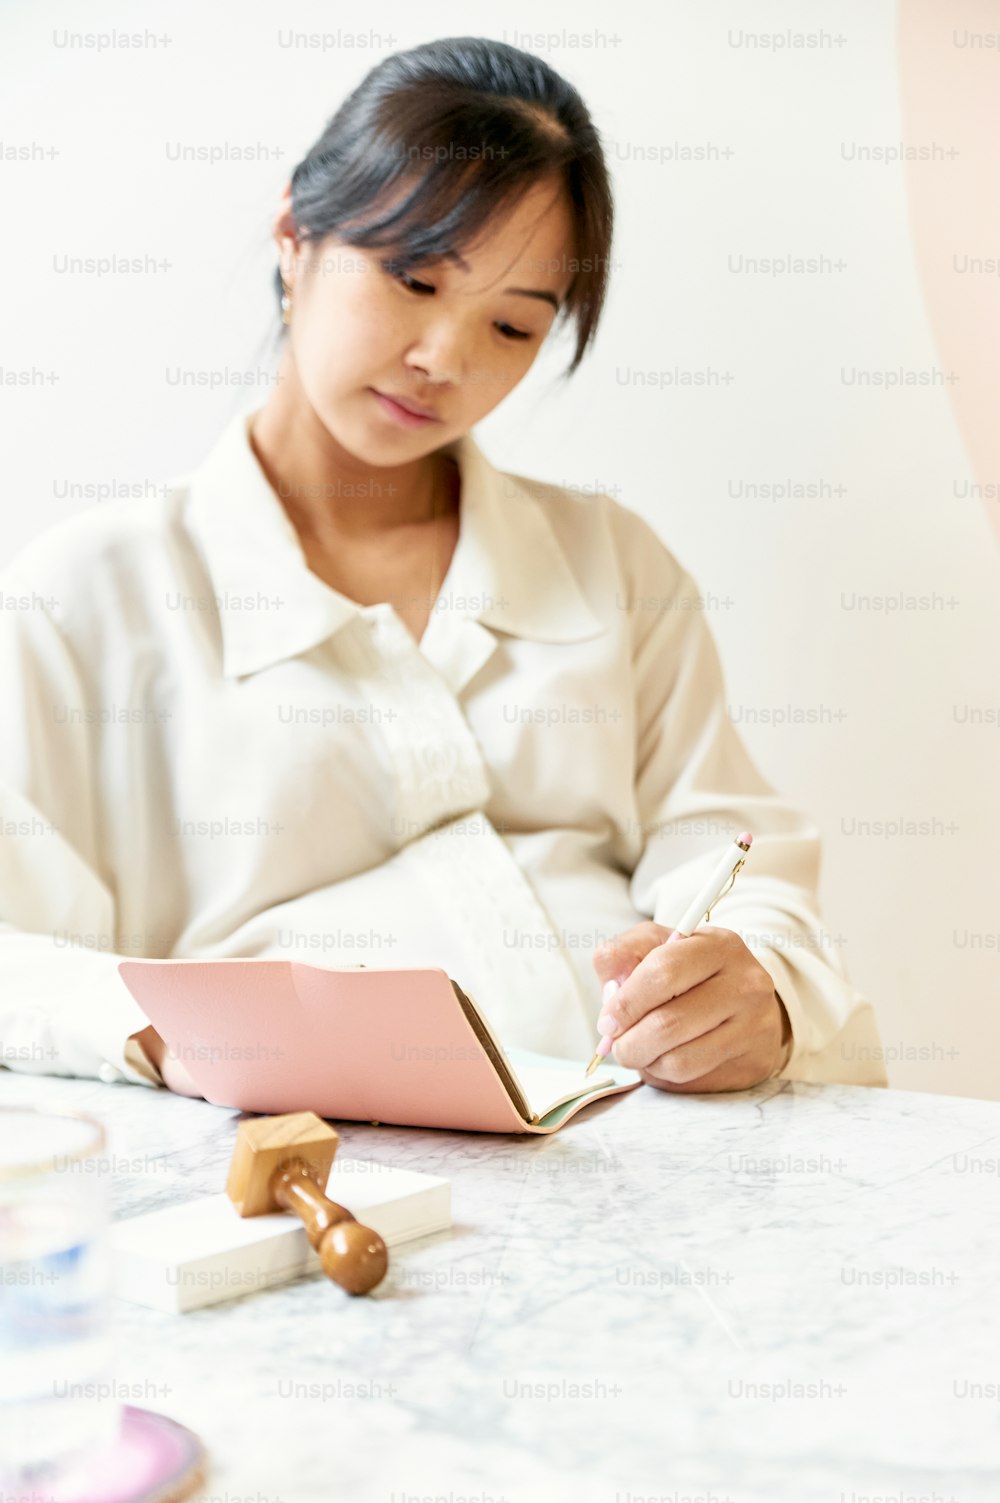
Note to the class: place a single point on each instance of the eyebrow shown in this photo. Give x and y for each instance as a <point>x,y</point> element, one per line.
<point>544,297</point>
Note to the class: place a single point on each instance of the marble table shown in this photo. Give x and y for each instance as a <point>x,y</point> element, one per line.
<point>783,1294</point>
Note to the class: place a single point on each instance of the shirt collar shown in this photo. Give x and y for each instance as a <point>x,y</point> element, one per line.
<point>508,572</point>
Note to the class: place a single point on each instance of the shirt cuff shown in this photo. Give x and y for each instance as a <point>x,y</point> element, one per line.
<point>109,1019</point>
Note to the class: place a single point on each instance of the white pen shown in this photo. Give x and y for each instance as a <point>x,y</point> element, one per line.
<point>713,889</point>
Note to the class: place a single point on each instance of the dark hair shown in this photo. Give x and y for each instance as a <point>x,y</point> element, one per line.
<point>468,124</point>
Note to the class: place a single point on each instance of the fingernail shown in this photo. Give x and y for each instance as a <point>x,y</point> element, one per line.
<point>607,1024</point>
<point>608,991</point>
<point>604,1048</point>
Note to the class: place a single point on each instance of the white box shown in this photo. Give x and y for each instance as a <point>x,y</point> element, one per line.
<point>203,1252</point>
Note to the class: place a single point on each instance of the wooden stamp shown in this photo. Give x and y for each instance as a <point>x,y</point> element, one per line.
<point>283,1163</point>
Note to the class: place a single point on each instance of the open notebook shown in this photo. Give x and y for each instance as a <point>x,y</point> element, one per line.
<point>385,1044</point>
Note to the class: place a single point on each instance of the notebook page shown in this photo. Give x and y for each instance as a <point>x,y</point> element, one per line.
<point>548,1081</point>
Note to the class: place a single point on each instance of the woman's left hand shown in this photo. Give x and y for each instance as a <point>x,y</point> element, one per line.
<point>172,1071</point>
<point>700,1014</point>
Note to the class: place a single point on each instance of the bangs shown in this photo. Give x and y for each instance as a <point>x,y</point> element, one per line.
<point>445,209</point>
<point>432,180</point>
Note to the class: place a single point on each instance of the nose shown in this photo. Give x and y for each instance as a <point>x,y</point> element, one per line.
<point>436,354</point>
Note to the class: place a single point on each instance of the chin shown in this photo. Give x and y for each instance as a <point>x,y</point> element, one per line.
<point>353,435</point>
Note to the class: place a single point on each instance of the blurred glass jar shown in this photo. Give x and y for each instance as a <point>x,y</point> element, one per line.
<point>56,1399</point>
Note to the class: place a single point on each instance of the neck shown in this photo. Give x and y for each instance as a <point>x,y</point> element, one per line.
<point>326,490</point>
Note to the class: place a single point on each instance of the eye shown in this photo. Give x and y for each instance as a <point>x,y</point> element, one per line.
<point>405,280</point>
<point>412,285</point>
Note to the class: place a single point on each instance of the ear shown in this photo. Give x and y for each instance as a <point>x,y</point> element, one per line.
<point>285,235</point>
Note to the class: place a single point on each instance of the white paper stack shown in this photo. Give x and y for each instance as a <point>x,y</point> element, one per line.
<point>203,1252</point>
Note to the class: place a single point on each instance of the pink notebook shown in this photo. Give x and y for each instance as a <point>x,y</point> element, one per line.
<point>381,1044</point>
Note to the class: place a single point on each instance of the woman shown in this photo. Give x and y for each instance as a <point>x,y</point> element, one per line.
<point>349,692</point>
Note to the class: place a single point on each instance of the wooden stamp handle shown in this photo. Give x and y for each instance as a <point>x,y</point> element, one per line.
<point>352,1255</point>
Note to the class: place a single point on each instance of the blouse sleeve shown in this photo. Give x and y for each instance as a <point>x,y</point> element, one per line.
<point>64,1010</point>
<point>696,787</point>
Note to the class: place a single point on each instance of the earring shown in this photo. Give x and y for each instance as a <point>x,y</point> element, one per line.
<point>286,302</point>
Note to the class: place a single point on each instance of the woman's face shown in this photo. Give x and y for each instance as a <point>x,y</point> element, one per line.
<point>454,339</point>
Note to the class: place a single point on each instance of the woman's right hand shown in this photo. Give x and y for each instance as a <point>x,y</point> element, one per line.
<point>175,1077</point>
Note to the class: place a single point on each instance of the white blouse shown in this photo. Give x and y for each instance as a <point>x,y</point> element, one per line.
<point>207,751</point>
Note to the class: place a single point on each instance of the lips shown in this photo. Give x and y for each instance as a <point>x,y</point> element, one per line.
<point>408,405</point>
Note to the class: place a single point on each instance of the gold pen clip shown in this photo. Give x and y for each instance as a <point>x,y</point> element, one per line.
<point>722,894</point>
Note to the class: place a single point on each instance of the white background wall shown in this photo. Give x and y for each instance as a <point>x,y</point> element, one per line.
<point>892,692</point>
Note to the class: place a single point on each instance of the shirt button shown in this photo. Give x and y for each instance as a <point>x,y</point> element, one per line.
<point>108,1074</point>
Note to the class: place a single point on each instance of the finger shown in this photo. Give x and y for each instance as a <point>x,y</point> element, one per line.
<point>669,970</point>
<point>701,1058</point>
<point>620,956</point>
<point>737,1074</point>
<point>674,1023</point>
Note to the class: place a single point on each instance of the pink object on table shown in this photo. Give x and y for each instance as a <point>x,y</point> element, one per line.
<point>153,1460</point>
